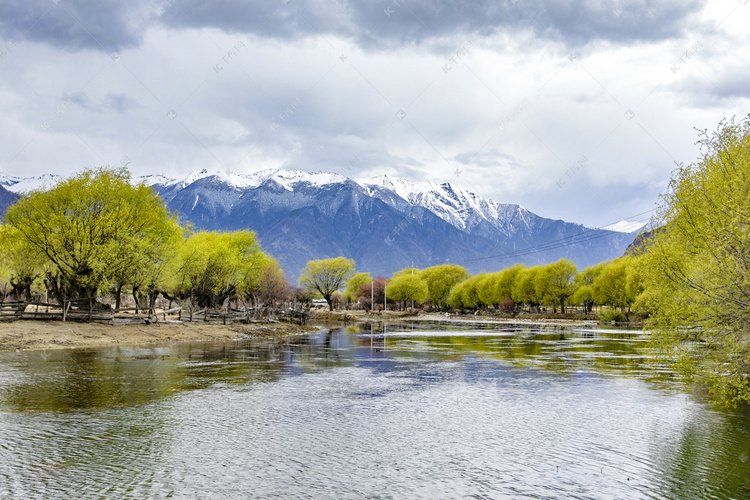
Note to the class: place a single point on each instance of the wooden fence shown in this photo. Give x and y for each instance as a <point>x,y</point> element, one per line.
<point>88,310</point>
<point>10,311</point>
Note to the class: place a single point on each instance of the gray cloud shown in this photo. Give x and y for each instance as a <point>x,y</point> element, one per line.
<point>112,101</point>
<point>112,25</point>
<point>400,22</point>
<point>106,25</point>
<point>120,103</point>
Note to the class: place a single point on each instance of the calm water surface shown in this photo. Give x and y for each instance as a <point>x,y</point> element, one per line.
<point>417,411</point>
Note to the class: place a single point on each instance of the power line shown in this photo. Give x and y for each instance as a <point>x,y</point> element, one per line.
<point>584,236</point>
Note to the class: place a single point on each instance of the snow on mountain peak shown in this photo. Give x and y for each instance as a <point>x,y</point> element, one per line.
<point>25,185</point>
<point>404,188</point>
<point>289,178</point>
<point>239,181</point>
<point>286,178</point>
<point>457,206</point>
<point>625,227</point>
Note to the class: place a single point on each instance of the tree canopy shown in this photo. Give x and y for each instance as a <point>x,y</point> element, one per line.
<point>407,285</point>
<point>554,283</point>
<point>440,279</point>
<point>697,269</point>
<point>327,276</point>
<point>93,227</point>
<point>355,284</point>
<point>213,266</point>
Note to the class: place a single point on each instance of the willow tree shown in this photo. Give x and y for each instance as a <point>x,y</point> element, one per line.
<point>506,281</point>
<point>407,285</point>
<point>4,272</point>
<point>465,295</point>
<point>327,276</point>
<point>584,289</point>
<point>698,267</point>
<point>21,265</point>
<point>555,283</point>
<point>524,290</point>
<point>212,267</point>
<point>486,289</point>
<point>355,284</point>
<point>92,227</point>
<point>441,279</point>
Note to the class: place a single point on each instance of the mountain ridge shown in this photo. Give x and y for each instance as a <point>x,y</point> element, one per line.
<point>384,223</point>
<point>399,221</point>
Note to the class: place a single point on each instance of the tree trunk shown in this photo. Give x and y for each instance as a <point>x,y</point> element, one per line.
<point>152,301</point>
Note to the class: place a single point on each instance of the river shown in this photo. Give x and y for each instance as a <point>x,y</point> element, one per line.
<point>413,410</point>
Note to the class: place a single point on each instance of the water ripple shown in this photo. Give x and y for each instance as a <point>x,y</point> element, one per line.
<point>445,417</point>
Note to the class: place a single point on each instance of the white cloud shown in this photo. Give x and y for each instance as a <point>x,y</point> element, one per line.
<point>581,118</point>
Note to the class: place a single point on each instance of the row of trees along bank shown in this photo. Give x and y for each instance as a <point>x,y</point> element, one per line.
<point>97,234</point>
<point>554,286</point>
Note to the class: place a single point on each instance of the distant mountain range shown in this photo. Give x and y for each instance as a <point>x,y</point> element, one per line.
<point>384,223</point>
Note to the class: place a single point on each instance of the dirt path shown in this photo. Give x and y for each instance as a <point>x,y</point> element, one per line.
<point>32,335</point>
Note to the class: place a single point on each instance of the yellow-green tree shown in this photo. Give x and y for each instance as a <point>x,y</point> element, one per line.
<point>506,281</point>
<point>407,285</point>
<point>465,295</point>
<point>697,270</point>
<point>4,274</point>
<point>584,291</point>
<point>524,290</point>
<point>486,287</point>
<point>355,284</point>
<point>618,282</point>
<point>327,276</point>
<point>634,280</point>
<point>554,283</point>
<point>440,280</point>
<point>212,267</point>
<point>91,227</point>
<point>21,264</point>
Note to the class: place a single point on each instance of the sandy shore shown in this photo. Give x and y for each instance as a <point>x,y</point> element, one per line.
<point>32,335</point>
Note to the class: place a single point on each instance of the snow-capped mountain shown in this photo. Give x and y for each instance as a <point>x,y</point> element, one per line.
<point>285,178</point>
<point>459,207</point>
<point>383,223</point>
<point>626,226</point>
<point>24,185</point>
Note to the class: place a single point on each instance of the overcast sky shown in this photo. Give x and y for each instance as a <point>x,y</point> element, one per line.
<point>576,110</point>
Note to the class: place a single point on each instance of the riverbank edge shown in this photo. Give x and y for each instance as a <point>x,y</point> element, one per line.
<point>394,316</point>
<point>29,335</point>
